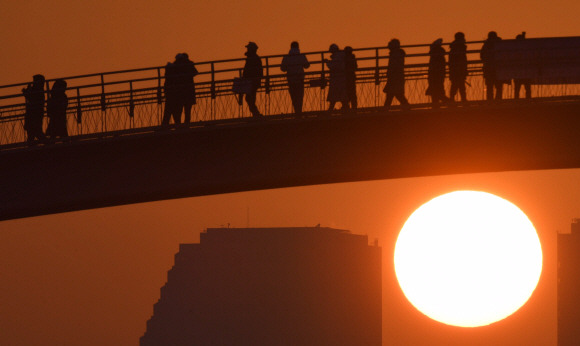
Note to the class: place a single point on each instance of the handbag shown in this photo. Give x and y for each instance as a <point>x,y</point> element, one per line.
<point>242,85</point>
<point>318,83</point>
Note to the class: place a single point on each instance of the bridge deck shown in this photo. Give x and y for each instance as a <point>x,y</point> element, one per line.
<point>288,151</point>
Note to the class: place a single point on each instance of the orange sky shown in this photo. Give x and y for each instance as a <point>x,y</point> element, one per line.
<point>91,277</point>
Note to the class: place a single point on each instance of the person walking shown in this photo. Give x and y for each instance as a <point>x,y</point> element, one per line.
<point>396,75</point>
<point>172,102</point>
<point>56,108</point>
<point>526,82</point>
<point>34,98</point>
<point>487,55</point>
<point>294,64</point>
<point>185,72</point>
<point>458,67</point>
<point>254,72</point>
<point>350,66</point>
<point>337,83</point>
<point>436,73</point>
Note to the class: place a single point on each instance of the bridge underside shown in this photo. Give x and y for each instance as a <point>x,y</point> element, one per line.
<point>265,154</point>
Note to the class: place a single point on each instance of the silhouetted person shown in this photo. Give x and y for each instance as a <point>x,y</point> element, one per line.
<point>489,67</point>
<point>518,82</point>
<point>185,71</point>
<point>395,75</point>
<point>350,66</point>
<point>294,64</point>
<point>172,100</point>
<point>254,72</point>
<point>337,83</point>
<point>56,107</point>
<point>436,74</point>
<point>458,66</point>
<point>34,97</point>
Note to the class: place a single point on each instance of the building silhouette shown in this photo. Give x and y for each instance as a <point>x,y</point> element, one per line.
<point>271,286</point>
<point>569,286</point>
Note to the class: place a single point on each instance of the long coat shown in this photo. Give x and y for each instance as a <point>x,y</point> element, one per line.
<point>184,72</point>
<point>253,70</point>
<point>436,75</point>
<point>337,85</point>
<point>56,107</point>
<point>457,61</point>
<point>487,55</point>
<point>396,72</point>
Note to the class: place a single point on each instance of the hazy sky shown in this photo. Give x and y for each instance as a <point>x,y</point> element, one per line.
<point>92,277</point>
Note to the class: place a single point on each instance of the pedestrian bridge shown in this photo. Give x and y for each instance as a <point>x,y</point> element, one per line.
<point>119,154</point>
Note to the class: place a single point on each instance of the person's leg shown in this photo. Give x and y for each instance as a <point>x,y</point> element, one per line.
<point>293,88</point>
<point>498,90</point>
<point>251,101</point>
<point>453,90</point>
<point>528,87</point>
<point>167,113</point>
<point>462,92</point>
<point>489,89</point>
<point>352,96</point>
<point>187,112</point>
<point>176,112</point>
<point>299,97</point>
<point>389,100</point>
<point>402,100</point>
<point>517,88</point>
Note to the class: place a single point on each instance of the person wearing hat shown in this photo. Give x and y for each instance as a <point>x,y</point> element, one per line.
<point>395,75</point>
<point>436,74</point>
<point>34,97</point>
<point>487,55</point>
<point>458,66</point>
<point>254,72</point>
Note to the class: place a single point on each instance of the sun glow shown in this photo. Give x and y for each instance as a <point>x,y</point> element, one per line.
<point>468,258</point>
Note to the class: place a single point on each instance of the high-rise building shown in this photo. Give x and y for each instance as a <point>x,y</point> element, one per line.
<point>271,286</point>
<point>569,286</point>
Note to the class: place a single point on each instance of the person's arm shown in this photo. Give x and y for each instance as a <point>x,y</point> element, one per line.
<point>284,65</point>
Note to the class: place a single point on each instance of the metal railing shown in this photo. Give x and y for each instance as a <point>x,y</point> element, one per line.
<point>132,101</point>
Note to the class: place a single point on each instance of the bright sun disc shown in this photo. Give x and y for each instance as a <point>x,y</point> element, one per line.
<point>468,258</point>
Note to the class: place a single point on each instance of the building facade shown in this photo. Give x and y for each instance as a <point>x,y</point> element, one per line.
<point>569,286</point>
<point>271,286</point>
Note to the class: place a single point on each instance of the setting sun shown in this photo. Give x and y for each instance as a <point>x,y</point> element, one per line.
<point>468,258</point>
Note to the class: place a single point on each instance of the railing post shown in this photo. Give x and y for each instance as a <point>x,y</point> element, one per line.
<point>267,87</point>
<point>240,96</point>
<point>212,87</point>
<point>322,81</point>
<point>267,83</point>
<point>131,102</point>
<point>159,95</point>
<point>47,91</point>
<point>212,91</point>
<point>322,72</point>
<point>79,110</point>
<point>103,99</point>
<point>377,71</point>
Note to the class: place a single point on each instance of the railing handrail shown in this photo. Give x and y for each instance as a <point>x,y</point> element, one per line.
<point>215,78</point>
<point>209,62</point>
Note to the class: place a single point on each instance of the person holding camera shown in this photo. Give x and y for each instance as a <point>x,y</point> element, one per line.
<point>34,97</point>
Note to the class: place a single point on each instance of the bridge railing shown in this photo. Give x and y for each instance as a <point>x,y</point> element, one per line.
<point>131,101</point>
